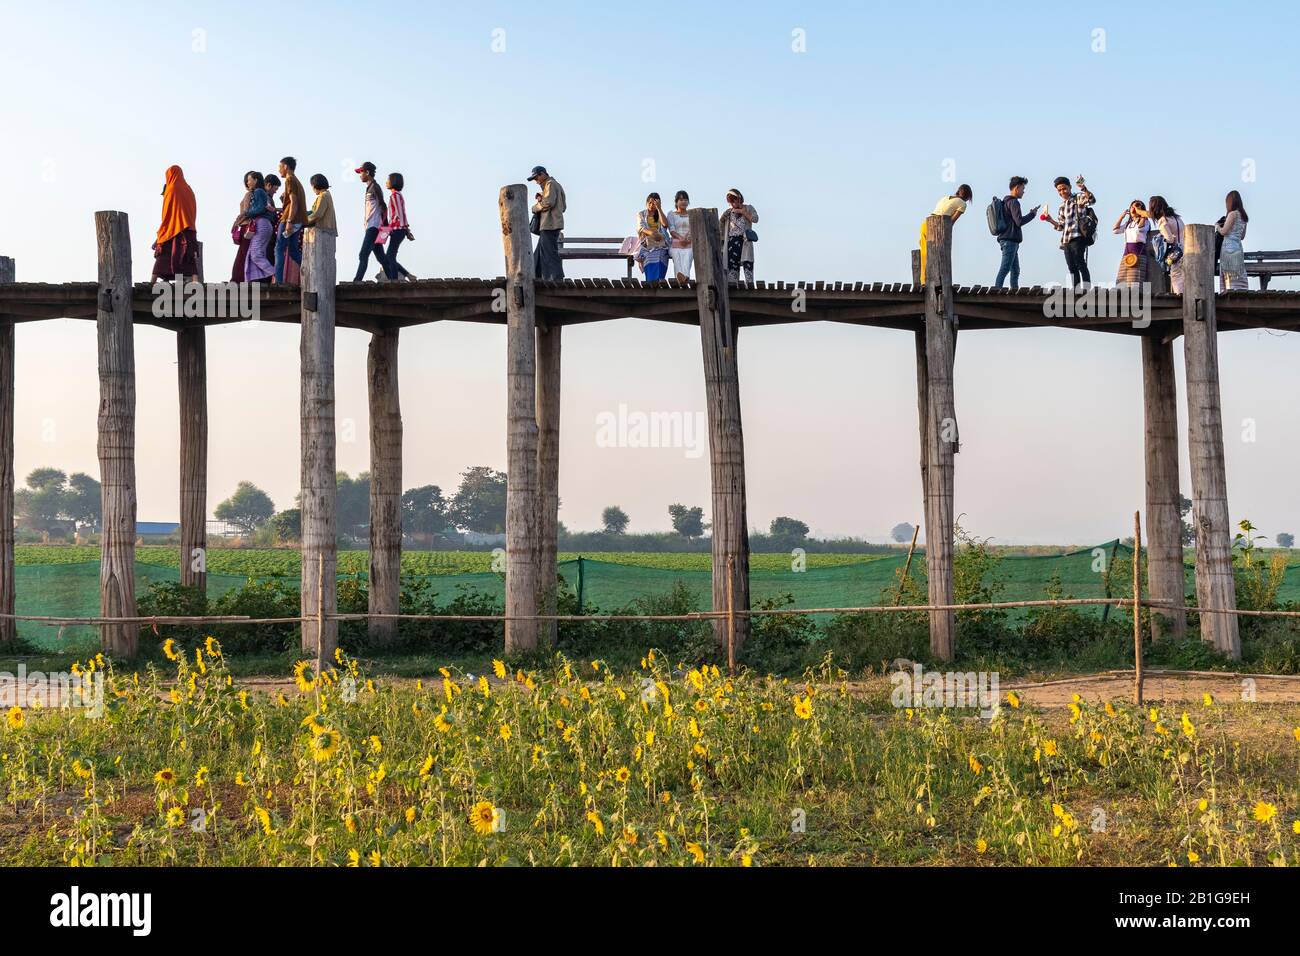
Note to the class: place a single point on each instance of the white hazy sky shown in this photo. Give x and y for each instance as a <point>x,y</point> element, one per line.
<point>842,148</point>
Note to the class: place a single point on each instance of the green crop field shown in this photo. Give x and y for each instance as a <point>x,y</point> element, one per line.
<point>285,561</point>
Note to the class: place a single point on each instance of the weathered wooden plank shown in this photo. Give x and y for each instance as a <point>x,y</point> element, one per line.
<point>522,577</point>
<point>116,445</point>
<point>1215,587</point>
<point>548,473</point>
<point>726,438</point>
<point>941,433</point>
<point>192,390</point>
<point>319,488</point>
<point>8,627</point>
<point>385,587</point>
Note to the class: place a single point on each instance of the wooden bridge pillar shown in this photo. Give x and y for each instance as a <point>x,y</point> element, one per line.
<point>192,386</point>
<point>319,501</point>
<point>922,385</point>
<point>940,432</point>
<point>726,439</point>
<point>1215,587</point>
<point>548,472</point>
<point>116,445</point>
<point>8,626</point>
<point>522,578</point>
<point>385,585</point>
<point>1164,526</point>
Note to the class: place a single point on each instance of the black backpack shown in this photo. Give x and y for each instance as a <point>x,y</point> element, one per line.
<point>997,216</point>
<point>1088,225</point>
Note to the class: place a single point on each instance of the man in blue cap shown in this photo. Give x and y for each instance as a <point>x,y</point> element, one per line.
<point>548,212</point>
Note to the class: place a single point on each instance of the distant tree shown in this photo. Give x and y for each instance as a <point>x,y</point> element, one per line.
<point>287,524</point>
<point>688,522</point>
<point>42,503</point>
<point>902,532</point>
<point>353,503</point>
<point>1285,539</point>
<point>424,510</point>
<point>84,502</point>
<point>480,501</point>
<point>1189,530</point>
<point>247,509</point>
<point>791,529</point>
<point>614,519</point>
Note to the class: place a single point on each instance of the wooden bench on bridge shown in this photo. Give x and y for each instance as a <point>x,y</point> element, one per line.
<point>595,253</point>
<point>1266,265</point>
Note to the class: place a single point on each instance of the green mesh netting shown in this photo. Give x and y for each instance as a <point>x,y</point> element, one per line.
<point>72,590</point>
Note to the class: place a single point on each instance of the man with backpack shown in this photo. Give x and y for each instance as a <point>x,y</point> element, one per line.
<point>1005,222</point>
<point>1077,224</point>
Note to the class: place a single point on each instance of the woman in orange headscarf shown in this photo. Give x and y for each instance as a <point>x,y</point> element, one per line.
<point>176,249</point>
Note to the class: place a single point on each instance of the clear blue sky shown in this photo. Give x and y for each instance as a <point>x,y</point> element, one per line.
<point>842,148</point>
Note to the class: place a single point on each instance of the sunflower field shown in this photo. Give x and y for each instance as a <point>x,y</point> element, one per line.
<point>574,764</point>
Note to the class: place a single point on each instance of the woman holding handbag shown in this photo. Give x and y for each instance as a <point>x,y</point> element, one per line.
<point>738,236</point>
<point>258,223</point>
<point>1172,230</point>
<point>398,228</point>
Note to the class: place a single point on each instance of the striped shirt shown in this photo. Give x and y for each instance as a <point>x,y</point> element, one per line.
<point>397,211</point>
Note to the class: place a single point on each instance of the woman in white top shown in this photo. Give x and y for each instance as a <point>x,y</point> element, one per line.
<point>1172,230</point>
<point>679,228</point>
<point>1134,223</point>
<point>1232,257</point>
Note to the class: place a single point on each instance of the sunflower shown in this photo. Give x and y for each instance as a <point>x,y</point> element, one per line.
<point>1013,699</point>
<point>14,718</point>
<point>622,775</point>
<point>441,722</point>
<point>499,668</point>
<point>166,776</point>
<point>81,770</point>
<point>695,850</point>
<point>175,816</point>
<point>410,814</point>
<point>323,744</point>
<point>201,777</point>
<point>483,817</point>
<point>354,858</point>
<point>803,707</point>
<point>427,766</point>
<point>981,845</point>
<point>264,819</point>
<point>1264,812</point>
<point>304,676</point>
<point>594,818</point>
<point>212,646</point>
<point>169,650</point>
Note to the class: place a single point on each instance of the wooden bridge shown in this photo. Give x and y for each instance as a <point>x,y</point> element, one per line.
<point>535,313</point>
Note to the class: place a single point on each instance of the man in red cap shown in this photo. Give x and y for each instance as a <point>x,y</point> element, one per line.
<point>376,217</point>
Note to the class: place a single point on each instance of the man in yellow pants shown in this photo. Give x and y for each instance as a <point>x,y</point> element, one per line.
<point>952,207</point>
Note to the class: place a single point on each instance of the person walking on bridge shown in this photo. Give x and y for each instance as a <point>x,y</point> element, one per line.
<point>1012,235</point>
<point>176,249</point>
<point>376,217</point>
<point>951,206</point>
<point>547,224</point>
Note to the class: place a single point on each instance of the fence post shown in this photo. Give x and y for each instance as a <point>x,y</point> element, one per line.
<point>1137,607</point>
<point>580,583</point>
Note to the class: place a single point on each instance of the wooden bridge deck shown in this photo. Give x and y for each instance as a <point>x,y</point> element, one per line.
<point>373,306</point>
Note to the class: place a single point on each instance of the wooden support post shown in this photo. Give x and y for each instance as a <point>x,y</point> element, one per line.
<point>726,438</point>
<point>116,446</point>
<point>192,386</point>
<point>8,626</point>
<point>521,422</point>
<point>319,501</point>
<point>922,382</point>
<point>1137,608</point>
<point>1165,578</point>
<point>1215,588</point>
<point>385,585</point>
<point>548,472</point>
<point>940,433</point>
